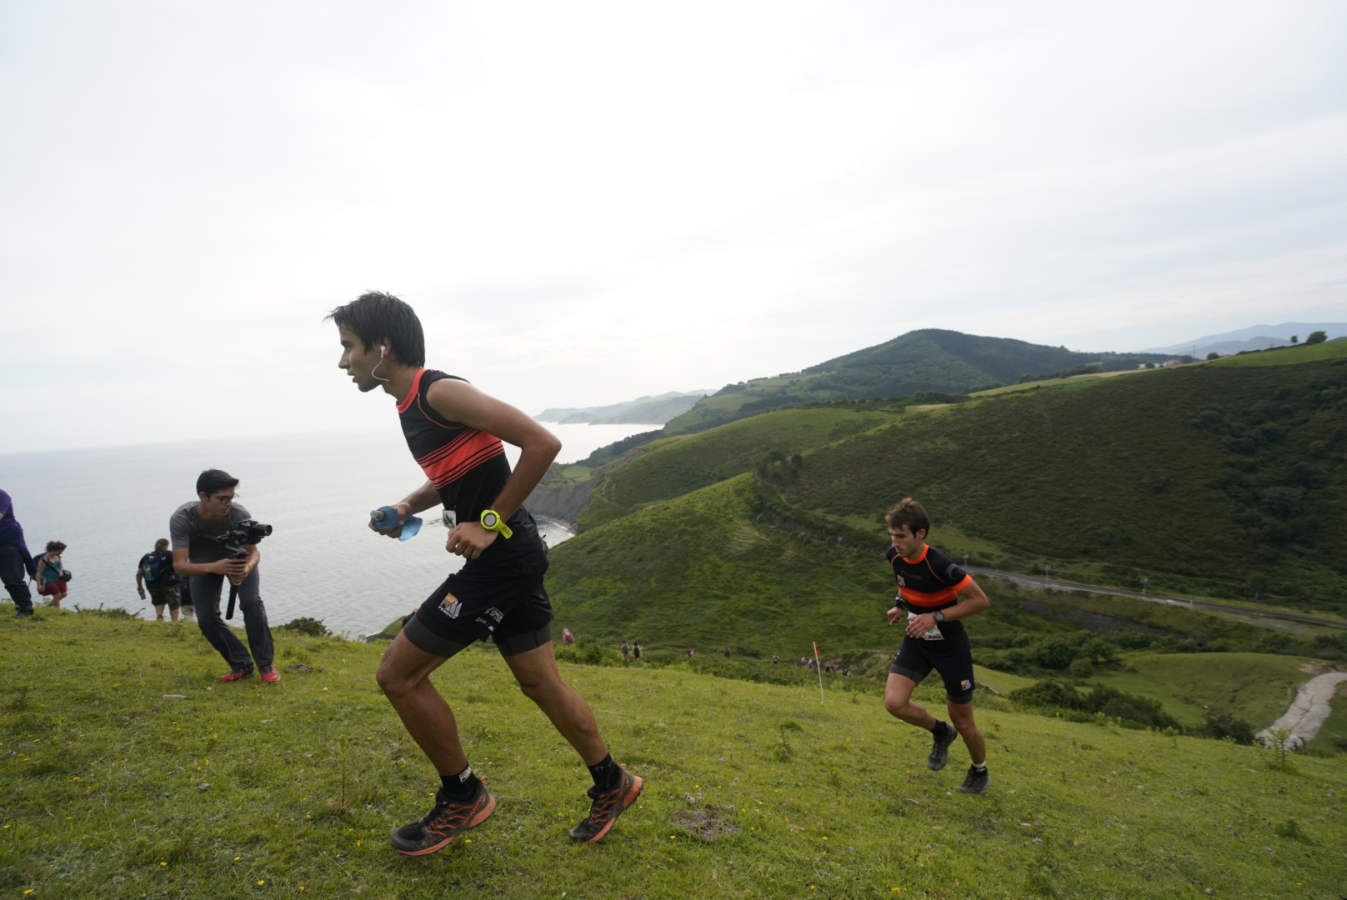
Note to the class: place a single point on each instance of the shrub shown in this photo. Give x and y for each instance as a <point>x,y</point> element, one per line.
<point>1137,712</point>
<point>307,625</point>
<point>1225,725</point>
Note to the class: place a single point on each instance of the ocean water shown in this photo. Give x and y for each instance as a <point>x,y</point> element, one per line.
<point>109,505</point>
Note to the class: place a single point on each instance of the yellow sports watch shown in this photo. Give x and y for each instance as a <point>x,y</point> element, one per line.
<point>492,521</point>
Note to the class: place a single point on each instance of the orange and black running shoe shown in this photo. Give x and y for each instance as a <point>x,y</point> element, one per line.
<point>446,820</point>
<point>607,806</point>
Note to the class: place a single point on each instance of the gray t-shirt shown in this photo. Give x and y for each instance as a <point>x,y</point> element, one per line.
<point>201,539</point>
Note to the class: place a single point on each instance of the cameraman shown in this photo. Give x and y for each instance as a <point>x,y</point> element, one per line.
<point>200,556</point>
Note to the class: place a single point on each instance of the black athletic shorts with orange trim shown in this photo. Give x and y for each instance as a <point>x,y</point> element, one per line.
<point>506,605</point>
<point>951,657</point>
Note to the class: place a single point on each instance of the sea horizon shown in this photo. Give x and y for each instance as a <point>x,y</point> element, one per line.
<point>109,504</point>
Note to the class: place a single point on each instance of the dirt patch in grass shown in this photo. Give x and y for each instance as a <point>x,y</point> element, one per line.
<point>709,824</point>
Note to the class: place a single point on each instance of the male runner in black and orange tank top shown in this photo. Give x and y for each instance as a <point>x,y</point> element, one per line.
<point>934,594</point>
<point>454,432</point>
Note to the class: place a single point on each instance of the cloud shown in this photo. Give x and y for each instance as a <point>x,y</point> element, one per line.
<point>593,201</point>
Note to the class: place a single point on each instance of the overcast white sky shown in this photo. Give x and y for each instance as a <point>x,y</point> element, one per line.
<point>588,202</point>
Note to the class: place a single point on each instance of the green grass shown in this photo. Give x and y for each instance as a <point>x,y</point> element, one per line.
<point>1333,734</point>
<point>113,789</point>
<point>1258,687</point>
<point>670,467</point>
<point>1284,356</point>
<point>1179,476</point>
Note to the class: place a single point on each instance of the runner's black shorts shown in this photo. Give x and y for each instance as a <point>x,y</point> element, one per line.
<point>951,657</point>
<point>502,601</point>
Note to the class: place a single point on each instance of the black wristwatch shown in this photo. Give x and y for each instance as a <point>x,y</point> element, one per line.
<point>939,617</point>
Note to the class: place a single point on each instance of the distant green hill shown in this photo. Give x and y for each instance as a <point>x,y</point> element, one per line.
<point>929,360</point>
<point>643,410</point>
<point>930,365</point>
<point>1214,479</point>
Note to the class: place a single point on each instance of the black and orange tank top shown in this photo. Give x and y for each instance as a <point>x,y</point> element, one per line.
<point>467,466</point>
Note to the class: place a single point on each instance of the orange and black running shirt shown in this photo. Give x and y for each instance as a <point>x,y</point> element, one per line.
<point>931,581</point>
<point>467,466</point>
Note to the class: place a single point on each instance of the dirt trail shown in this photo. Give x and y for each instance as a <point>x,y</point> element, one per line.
<point>1308,711</point>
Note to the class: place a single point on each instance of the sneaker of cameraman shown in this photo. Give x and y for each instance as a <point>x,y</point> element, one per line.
<point>200,556</point>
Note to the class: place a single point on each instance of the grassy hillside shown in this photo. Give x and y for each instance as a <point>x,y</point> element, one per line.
<point>1205,478</point>
<point>1257,686</point>
<point>1209,479</point>
<point>929,360</point>
<point>129,772</point>
<point>673,466</point>
<point>720,571</point>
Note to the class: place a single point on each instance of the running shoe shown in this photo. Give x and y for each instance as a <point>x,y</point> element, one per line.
<point>607,806</point>
<point>941,738</point>
<point>269,674</point>
<point>446,820</point>
<point>976,782</point>
<point>236,675</point>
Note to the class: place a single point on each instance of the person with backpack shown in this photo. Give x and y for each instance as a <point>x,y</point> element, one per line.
<point>155,572</point>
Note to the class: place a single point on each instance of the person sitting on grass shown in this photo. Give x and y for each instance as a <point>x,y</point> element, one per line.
<point>52,574</point>
<point>934,594</point>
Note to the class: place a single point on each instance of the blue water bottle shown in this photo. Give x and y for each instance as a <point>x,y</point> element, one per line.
<point>387,517</point>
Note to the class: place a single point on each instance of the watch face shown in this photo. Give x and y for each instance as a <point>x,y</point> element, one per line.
<point>489,520</point>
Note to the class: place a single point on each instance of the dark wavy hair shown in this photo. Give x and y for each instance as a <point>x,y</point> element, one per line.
<point>375,316</point>
<point>212,480</point>
<point>910,513</point>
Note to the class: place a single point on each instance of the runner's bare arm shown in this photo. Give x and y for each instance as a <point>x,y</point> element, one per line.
<point>459,401</point>
<point>972,599</point>
<point>420,499</point>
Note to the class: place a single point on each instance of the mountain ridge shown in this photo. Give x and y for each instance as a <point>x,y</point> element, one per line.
<point>922,361</point>
<point>1255,337</point>
<point>648,410</point>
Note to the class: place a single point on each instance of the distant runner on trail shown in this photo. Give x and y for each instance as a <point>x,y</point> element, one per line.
<point>454,432</point>
<point>933,593</point>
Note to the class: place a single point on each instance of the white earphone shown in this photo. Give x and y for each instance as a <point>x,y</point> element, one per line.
<point>374,373</point>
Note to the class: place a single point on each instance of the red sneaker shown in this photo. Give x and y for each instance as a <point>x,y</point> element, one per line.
<point>237,675</point>
<point>269,674</point>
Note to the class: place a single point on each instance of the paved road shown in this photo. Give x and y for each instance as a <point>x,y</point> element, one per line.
<point>1308,711</point>
<point>1035,582</point>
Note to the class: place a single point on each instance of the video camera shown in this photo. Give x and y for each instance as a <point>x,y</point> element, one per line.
<point>243,535</point>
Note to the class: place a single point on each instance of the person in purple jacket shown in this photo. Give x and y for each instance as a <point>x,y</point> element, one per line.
<point>16,563</point>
